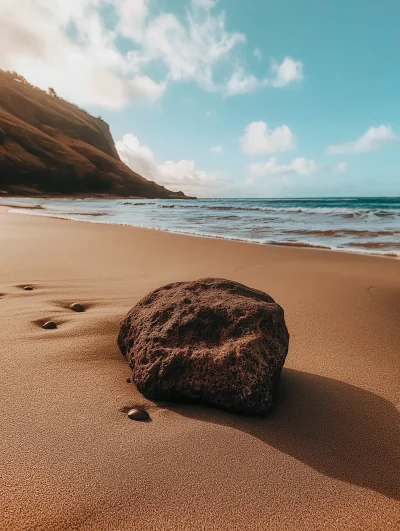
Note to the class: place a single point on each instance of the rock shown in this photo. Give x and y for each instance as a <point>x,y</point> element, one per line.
<point>49,325</point>
<point>128,380</point>
<point>28,288</point>
<point>77,307</point>
<point>138,414</point>
<point>211,340</point>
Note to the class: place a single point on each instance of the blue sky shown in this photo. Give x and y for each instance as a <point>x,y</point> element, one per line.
<point>293,98</point>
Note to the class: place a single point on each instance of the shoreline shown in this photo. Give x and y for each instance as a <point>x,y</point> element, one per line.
<point>94,197</point>
<point>301,245</point>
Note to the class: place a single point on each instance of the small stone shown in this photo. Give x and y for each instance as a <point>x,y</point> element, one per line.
<point>138,414</point>
<point>76,307</point>
<point>28,288</point>
<point>49,325</point>
<point>128,380</point>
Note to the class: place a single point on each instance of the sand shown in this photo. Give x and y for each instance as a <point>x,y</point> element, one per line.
<point>327,457</point>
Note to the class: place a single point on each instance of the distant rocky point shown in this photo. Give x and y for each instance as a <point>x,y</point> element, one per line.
<point>50,147</point>
<point>211,340</point>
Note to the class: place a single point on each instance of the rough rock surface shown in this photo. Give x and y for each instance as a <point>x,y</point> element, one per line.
<point>211,340</point>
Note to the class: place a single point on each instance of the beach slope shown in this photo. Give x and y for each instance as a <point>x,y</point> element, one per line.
<point>326,458</point>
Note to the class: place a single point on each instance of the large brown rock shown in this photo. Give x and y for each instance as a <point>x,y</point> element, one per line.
<point>211,340</point>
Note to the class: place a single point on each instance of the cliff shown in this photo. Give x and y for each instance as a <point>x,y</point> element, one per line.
<point>51,147</point>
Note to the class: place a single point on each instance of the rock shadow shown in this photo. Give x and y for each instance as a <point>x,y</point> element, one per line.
<point>338,429</point>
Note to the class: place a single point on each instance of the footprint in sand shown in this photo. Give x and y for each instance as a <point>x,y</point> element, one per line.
<point>26,287</point>
<point>49,324</point>
<point>74,306</point>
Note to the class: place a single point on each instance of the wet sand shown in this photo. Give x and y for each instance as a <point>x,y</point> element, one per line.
<point>327,457</point>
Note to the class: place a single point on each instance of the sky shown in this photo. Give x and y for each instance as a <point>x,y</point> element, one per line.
<point>228,98</point>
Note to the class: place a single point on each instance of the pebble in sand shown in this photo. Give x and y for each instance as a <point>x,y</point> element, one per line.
<point>76,307</point>
<point>28,288</point>
<point>49,325</point>
<point>138,414</point>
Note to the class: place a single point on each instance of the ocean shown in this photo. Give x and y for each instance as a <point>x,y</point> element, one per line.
<point>355,224</point>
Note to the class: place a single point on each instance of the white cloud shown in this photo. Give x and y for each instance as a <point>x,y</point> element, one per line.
<point>72,47</point>
<point>137,156</point>
<point>287,72</point>
<point>86,69</point>
<point>341,168</point>
<point>142,87</point>
<point>184,175</point>
<point>259,140</point>
<point>300,165</point>
<point>191,53</point>
<point>216,149</point>
<point>177,176</point>
<point>371,140</point>
<point>241,83</point>
<point>257,53</point>
<point>132,17</point>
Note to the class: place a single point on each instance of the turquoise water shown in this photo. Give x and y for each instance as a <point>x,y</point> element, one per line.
<point>366,225</point>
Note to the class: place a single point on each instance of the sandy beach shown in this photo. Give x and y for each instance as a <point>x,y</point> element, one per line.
<point>326,458</point>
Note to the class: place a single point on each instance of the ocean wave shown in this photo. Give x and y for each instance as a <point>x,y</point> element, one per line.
<point>329,211</point>
<point>143,203</point>
<point>24,207</point>
<point>341,232</point>
<point>298,244</point>
<point>351,248</point>
<point>94,214</point>
<point>374,245</point>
